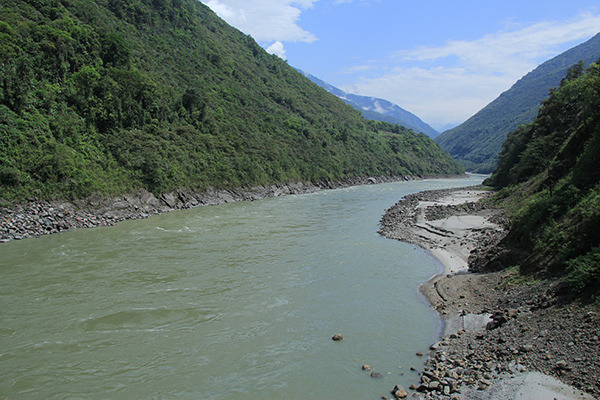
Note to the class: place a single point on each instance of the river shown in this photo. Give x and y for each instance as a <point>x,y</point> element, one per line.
<point>222,302</point>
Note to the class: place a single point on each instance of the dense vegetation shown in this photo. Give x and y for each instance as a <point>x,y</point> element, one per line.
<point>477,141</point>
<point>549,173</point>
<point>110,96</point>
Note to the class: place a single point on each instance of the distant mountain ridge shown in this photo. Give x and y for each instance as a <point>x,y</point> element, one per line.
<point>477,141</point>
<point>377,109</point>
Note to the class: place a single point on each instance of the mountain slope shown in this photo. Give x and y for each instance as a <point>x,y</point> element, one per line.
<point>377,109</point>
<point>549,173</point>
<point>477,141</point>
<point>110,96</point>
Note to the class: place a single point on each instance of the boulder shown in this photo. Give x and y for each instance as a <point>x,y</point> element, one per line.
<point>498,319</point>
<point>399,392</point>
<point>169,200</point>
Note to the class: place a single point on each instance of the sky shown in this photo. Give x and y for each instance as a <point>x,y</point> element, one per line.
<point>442,60</point>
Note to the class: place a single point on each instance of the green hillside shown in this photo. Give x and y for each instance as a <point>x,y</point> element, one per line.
<point>549,173</point>
<point>110,96</point>
<point>477,141</point>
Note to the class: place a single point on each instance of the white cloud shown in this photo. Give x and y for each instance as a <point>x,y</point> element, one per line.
<point>449,83</point>
<point>225,12</point>
<point>437,95</point>
<point>357,68</point>
<point>277,49</point>
<point>442,84</point>
<point>265,20</point>
<point>509,52</point>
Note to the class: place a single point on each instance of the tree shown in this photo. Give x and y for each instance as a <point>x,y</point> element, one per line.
<point>115,50</point>
<point>574,72</point>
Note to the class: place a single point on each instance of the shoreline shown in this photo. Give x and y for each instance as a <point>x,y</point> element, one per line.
<point>447,223</point>
<point>36,218</point>
<point>537,345</point>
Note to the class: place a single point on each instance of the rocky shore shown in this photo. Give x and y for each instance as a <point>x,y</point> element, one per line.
<point>449,223</point>
<point>36,218</point>
<point>504,336</point>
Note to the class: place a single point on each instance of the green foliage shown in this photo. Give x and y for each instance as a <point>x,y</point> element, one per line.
<point>574,72</point>
<point>115,51</point>
<point>562,140</point>
<point>549,171</point>
<point>584,274</point>
<point>111,96</point>
<point>478,141</point>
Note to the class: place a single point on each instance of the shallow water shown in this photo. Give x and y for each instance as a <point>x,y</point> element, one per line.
<point>232,301</point>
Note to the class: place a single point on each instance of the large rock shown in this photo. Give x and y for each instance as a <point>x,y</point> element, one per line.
<point>399,392</point>
<point>498,319</point>
<point>169,199</point>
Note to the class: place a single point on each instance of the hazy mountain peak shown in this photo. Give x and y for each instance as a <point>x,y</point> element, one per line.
<point>377,109</point>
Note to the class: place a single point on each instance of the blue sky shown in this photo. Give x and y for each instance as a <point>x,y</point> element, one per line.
<point>443,60</point>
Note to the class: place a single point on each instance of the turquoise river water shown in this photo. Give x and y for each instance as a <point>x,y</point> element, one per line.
<point>226,302</point>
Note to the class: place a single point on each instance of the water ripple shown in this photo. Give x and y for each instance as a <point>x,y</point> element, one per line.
<point>149,319</point>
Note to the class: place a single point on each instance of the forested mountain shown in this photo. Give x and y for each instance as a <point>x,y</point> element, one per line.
<point>477,141</point>
<point>549,176</point>
<point>377,109</point>
<point>111,96</point>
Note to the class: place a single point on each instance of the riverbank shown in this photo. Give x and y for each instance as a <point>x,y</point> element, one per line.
<point>503,336</point>
<point>448,223</point>
<point>36,218</point>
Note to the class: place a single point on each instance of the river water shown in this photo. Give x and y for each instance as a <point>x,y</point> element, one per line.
<point>222,302</point>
